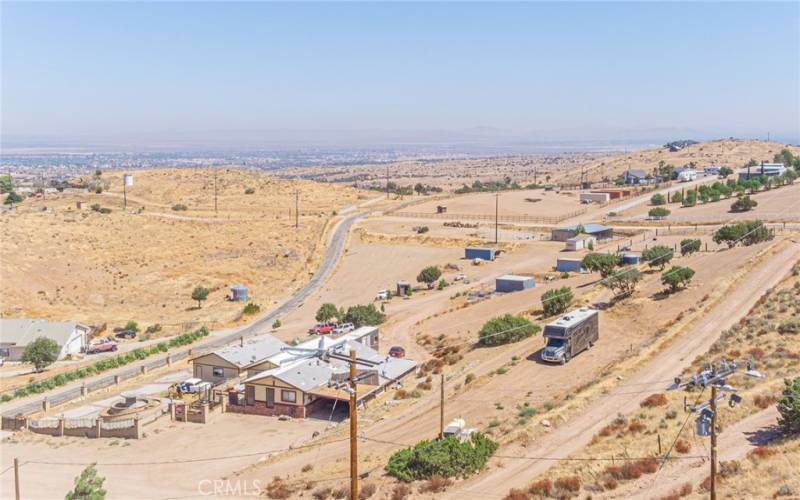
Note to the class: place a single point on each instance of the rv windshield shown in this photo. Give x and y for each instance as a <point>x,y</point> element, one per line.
<point>551,342</point>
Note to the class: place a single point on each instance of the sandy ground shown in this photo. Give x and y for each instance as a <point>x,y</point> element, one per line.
<point>94,268</point>
<point>774,205</point>
<point>509,203</point>
<point>578,431</point>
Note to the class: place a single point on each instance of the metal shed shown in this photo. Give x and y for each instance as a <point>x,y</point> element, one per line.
<point>239,293</point>
<point>402,287</point>
<point>479,253</point>
<point>631,258</point>
<point>513,283</point>
<point>599,231</point>
<point>569,266</point>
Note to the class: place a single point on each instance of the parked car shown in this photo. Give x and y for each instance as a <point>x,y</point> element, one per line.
<point>382,295</point>
<point>322,328</point>
<point>397,352</point>
<point>107,346</point>
<point>126,334</point>
<point>344,328</point>
<point>459,277</point>
<point>192,386</point>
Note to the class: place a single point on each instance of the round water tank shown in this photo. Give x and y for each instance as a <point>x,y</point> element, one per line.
<point>239,293</point>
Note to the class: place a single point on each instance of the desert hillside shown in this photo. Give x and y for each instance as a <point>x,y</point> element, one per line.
<point>62,262</point>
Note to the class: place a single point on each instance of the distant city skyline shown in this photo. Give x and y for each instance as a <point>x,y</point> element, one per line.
<point>250,75</point>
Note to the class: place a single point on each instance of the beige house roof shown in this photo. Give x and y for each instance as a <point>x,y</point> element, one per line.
<point>20,332</point>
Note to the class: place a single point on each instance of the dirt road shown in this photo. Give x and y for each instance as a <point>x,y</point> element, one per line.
<point>578,432</point>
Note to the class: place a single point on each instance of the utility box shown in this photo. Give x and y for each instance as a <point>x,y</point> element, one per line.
<point>479,253</point>
<point>513,283</point>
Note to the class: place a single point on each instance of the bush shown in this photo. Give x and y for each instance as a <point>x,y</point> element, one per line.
<point>568,483</point>
<point>367,490</point>
<point>677,277</point>
<point>422,229</point>
<point>400,491</point>
<point>469,378</point>
<point>251,308</point>
<point>658,199</point>
<point>657,256</point>
<point>541,488</point>
<point>12,198</point>
<point>658,212</point>
<point>516,494</point>
<point>276,324</point>
<point>683,446</point>
<point>689,246</point>
<point>446,458</point>
<point>506,329</point>
<point>789,407</point>
<point>363,315</point>
<point>556,300</point>
<point>179,207</point>
<point>249,191</point>
<point>654,400</point>
<point>743,204</point>
<point>436,484</point>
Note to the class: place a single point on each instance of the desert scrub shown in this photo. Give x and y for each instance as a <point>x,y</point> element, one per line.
<point>447,458</point>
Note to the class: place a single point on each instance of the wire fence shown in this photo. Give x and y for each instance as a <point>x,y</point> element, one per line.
<point>491,217</point>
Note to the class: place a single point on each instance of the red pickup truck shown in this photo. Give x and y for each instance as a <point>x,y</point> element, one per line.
<point>102,347</point>
<point>322,328</point>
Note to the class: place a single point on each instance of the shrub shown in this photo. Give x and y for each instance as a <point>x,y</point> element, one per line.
<point>249,191</point>
<point>654,400</point>
<point>362,315</point>
<point>367,490</point>
<point>445,458</point>
<point>179,207</point>
<point>689,246</point>
<point>516,494</point>
<point>469,378</point>
<point>541,488</point>
<point>322,493</point>
<point>422,229</point>
<point>743,204</point>
<point>636,426</point>
<point>506,329</point>
<point>436,484</point>
<point>761,452</point>
<point>658,199</point>
<point>658,212</point>
<point>789,406</point>
<point>677,277</point>
<point>276,324</point>
<point>568,483</point>
<point>251,308</point>
<point>683,446</point>
<point>657,256</point>
<point>610,484</point>
<point>277,489</point>
<point>400,491</point>
<point>556,300</point>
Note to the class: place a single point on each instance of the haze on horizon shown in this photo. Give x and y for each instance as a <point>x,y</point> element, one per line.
<point>253,74</point>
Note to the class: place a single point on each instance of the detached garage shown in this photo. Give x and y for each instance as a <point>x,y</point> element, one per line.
<point>513,283</point>
<point>479,253</point>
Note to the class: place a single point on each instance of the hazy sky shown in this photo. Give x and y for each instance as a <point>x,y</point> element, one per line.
<point>116,69</point>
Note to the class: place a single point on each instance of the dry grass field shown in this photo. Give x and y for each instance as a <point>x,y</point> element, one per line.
<point>510,203</point>
<point>65,263</point>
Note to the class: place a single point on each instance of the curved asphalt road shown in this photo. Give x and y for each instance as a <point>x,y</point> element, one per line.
<point>333,252</point>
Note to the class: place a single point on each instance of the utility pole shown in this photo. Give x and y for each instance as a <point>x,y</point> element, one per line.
<point>713,489</point>
<point>215,192</point>
<point>296,208</point>
<point>124,193</point>
<point>441,410</point>
<point>44,191</point>
<point>16,478</point>
<point>353,429</point>
<point>496,217</point>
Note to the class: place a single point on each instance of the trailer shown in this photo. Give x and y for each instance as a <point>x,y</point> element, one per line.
<point>472,253</point>
<point>571,334</point>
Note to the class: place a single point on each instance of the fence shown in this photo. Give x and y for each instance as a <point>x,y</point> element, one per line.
<point>491,217</point>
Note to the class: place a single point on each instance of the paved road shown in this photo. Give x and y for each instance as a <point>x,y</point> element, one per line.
<point>333,252</point>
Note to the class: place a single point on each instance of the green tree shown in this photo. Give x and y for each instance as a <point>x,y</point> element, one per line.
<point>327,312</point>
<point>623,282</point>
<point>789,406</point>
<point>88,486</point>
<point>556,300</point>
<point>132,325</point>
<point>677,277</point>
<point>725,171</point>
<point>6,184</point>
<point>690,199</point>
<point>658,212</point>
<point>677,197</point>
<point>363,315</point>
<point>506,329</point>
<point>579,229</point>
<point>747,233</point>
<point>690,246</point>
<point>12,198</point>
<point>657,256</point>
<point>448,457</point>
<point>41,353</point>
<point>658,199</point>
<point>601,262</point>
<point>429,275</point>
<point>743,204</point>
<point>200,294</point>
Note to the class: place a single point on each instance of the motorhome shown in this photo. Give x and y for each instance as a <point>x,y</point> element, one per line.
<point>570,334</point>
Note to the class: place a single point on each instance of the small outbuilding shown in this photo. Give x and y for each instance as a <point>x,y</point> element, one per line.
<point>595,197</point>
<point>513,283</point>
<point>569,266</point>
<point>441,209</point>
<point>472,253</point>
<point>631,258</point>
<point>403,287</point>
<point>239,293</point>
<point>579,242</point>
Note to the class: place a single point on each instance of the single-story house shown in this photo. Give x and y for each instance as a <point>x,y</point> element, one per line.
<point>765,169</point>
<point>316,373</point>
<point>513,283</point>
<point>16,334</point>
<point>579,242</point>
<point>635,177</point>
<point>569,265</point>
<point>245,358</point>
<point>599,231</point>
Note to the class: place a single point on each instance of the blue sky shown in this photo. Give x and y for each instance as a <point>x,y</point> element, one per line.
<point>554,69</point>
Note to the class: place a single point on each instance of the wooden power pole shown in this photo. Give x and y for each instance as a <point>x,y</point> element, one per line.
<point>215,191</point>
<point>296,208</point>
<point>441,409</point>
<point>713,487</point>
<point>496,217</point>
<point>353,429</point>
<point>16,478</point>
